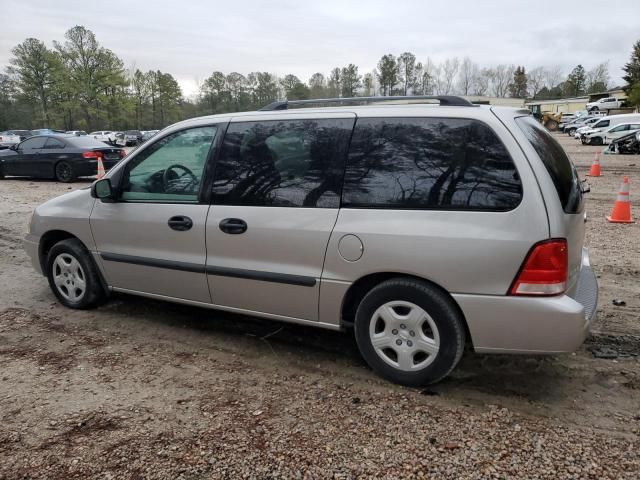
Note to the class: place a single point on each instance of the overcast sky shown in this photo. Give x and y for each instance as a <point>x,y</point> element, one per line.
<point>191,39</point>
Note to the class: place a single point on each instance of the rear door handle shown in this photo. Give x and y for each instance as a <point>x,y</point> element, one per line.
<point>180,223</point>
<point>233,226</point>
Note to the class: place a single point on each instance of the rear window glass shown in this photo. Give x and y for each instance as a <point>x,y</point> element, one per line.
<point>84,142</point>
<point>429,163</point>
<point>561,170</point>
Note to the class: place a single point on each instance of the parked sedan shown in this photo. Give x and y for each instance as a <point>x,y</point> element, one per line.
<point>62,157</point>
<point>146,135</point>
<point>129,138</point>
<point>620,131</point>
<point>46,131</point>
<point>12,137</point>
<point>106,136</point>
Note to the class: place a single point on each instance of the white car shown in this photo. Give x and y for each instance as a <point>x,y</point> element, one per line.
<point>607,122</point>
<point>588,125</point>
<point>77,133</point>
<point>10,137</point>
<point>608,103</point>
<point>616,132</point>
<point>106,136</point>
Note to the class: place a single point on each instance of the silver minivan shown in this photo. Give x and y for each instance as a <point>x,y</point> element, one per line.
<point>423,227</point>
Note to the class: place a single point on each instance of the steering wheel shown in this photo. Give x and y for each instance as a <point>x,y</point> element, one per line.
<point>166,179</point>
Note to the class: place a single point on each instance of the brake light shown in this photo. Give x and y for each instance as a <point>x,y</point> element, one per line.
<point>544,271</point>
<point>122,153</point>
<point>92,154</point>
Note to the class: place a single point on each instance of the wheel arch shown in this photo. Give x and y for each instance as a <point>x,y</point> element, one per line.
<point>50,238</point>
<point>358,289</point>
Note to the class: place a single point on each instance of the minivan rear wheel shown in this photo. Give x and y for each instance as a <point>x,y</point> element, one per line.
<point>409,332</point>
<point>73,275</point>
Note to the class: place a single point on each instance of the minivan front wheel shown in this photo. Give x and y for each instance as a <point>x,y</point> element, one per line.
<point>409,332</point>
<point>73,276</point>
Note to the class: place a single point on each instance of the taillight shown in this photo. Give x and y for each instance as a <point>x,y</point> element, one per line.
<point>544,271</point>
<point>122,153</point>
<point>92,154</point>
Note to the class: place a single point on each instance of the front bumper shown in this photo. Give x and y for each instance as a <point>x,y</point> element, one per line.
<point>31,245</point>
<point>535,325</point>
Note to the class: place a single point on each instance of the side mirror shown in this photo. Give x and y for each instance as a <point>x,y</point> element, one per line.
<point>102,189</point>
<point>14,147</point>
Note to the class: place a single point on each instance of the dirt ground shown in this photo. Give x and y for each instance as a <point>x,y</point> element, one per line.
<point>144,389</point>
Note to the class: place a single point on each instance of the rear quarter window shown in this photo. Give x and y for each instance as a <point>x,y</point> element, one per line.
<point>562,172</point>
<point>429,163</point>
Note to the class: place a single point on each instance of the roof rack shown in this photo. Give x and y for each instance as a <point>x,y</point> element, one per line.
<point>444,100</point>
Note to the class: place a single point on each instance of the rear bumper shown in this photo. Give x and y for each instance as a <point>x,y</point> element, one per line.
<point>540,325</point>
<point>89,168</point>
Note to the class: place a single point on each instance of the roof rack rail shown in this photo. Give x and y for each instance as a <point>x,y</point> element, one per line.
<point>445,100</point>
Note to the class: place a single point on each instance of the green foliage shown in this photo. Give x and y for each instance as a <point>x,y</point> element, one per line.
<point>518,87</point>
<point>294,89</point>
<point>387,74</point>
<point>36,69</point>
<point>632,75</point>
<point>576,82</point>
<point>317,86</point>
<point>633,97</point>
<point>407,71</point>
<point>351,81</point>
<point>334,84</point>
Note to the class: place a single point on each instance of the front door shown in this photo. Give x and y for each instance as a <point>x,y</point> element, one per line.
<point>276,195</point>
<point>152,239</point>
<point>26,160</point>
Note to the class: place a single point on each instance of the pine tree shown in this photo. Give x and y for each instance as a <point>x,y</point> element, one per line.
<point>576,82</point>
<point>518,87</point>
<point>632,72</point>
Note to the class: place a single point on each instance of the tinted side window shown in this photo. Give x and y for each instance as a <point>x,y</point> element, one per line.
<point>430,163</point>
<point>602,124</point>
<point>33,143</point>
<point>561,170</point>
<point>283,163</point>
<point>54,143</point>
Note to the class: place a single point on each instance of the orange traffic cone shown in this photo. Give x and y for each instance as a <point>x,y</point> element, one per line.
<point>621,212</point>
<point>100,168</point>
<point>595,167</point>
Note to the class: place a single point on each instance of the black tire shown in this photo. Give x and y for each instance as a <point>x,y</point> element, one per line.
<point>64,172</point>
<point>94,293</point>
<point>1,173</point>
<point>444,314</point>
<point>596,141</point>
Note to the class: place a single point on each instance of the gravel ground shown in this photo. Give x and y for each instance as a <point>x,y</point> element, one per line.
<point>144,389</point>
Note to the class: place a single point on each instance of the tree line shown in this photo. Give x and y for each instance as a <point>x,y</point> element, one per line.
<point>79,84</point>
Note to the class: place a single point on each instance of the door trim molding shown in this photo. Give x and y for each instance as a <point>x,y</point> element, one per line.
<point>274,277</point>
<point>153,262</point>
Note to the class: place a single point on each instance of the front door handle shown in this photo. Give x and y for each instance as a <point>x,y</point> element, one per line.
<point>233,226</point>
<point>180,223</point>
